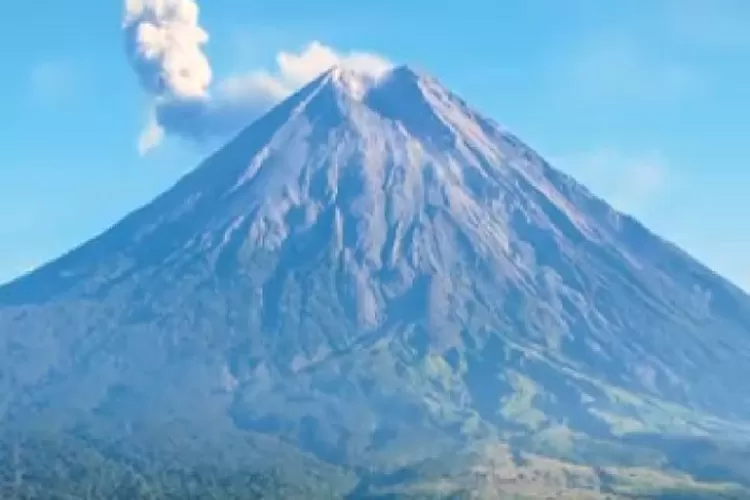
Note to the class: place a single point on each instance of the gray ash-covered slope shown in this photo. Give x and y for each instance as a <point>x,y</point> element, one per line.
<point>370,266</point>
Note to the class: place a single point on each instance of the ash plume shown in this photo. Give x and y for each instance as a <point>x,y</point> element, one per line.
<point>165,44</point>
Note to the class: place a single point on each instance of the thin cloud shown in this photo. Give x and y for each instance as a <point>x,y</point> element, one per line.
<point>722,24</point>
<point>616,70</point>
<point>631,183</point>
<point>52,81</point>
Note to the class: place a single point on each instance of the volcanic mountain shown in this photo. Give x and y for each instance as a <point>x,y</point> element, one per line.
<point>374,273</point>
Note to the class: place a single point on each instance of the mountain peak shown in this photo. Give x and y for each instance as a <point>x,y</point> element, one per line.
<point>402,96</point>
<point>404,72</point>
<point>357,82</point>
<point>351,82</point>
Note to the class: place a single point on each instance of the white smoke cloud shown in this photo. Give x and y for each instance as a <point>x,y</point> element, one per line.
<point>165,44</point>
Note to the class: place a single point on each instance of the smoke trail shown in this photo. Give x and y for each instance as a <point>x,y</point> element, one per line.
<point>165,41</point>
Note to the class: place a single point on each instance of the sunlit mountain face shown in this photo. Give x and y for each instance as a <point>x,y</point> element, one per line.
<point>373,276</point>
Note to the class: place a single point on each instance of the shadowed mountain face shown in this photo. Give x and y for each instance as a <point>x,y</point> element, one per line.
<point>374,270</point>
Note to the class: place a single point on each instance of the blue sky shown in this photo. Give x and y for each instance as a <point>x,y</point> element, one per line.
<point>644,101</point>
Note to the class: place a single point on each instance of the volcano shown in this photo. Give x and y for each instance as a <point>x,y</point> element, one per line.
<point>373,275</point>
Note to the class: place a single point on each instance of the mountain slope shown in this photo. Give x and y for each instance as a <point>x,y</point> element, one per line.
<point>375,273</point>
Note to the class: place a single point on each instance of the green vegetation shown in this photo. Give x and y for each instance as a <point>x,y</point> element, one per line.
<point>61,466</point>
<point>64,467</point>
